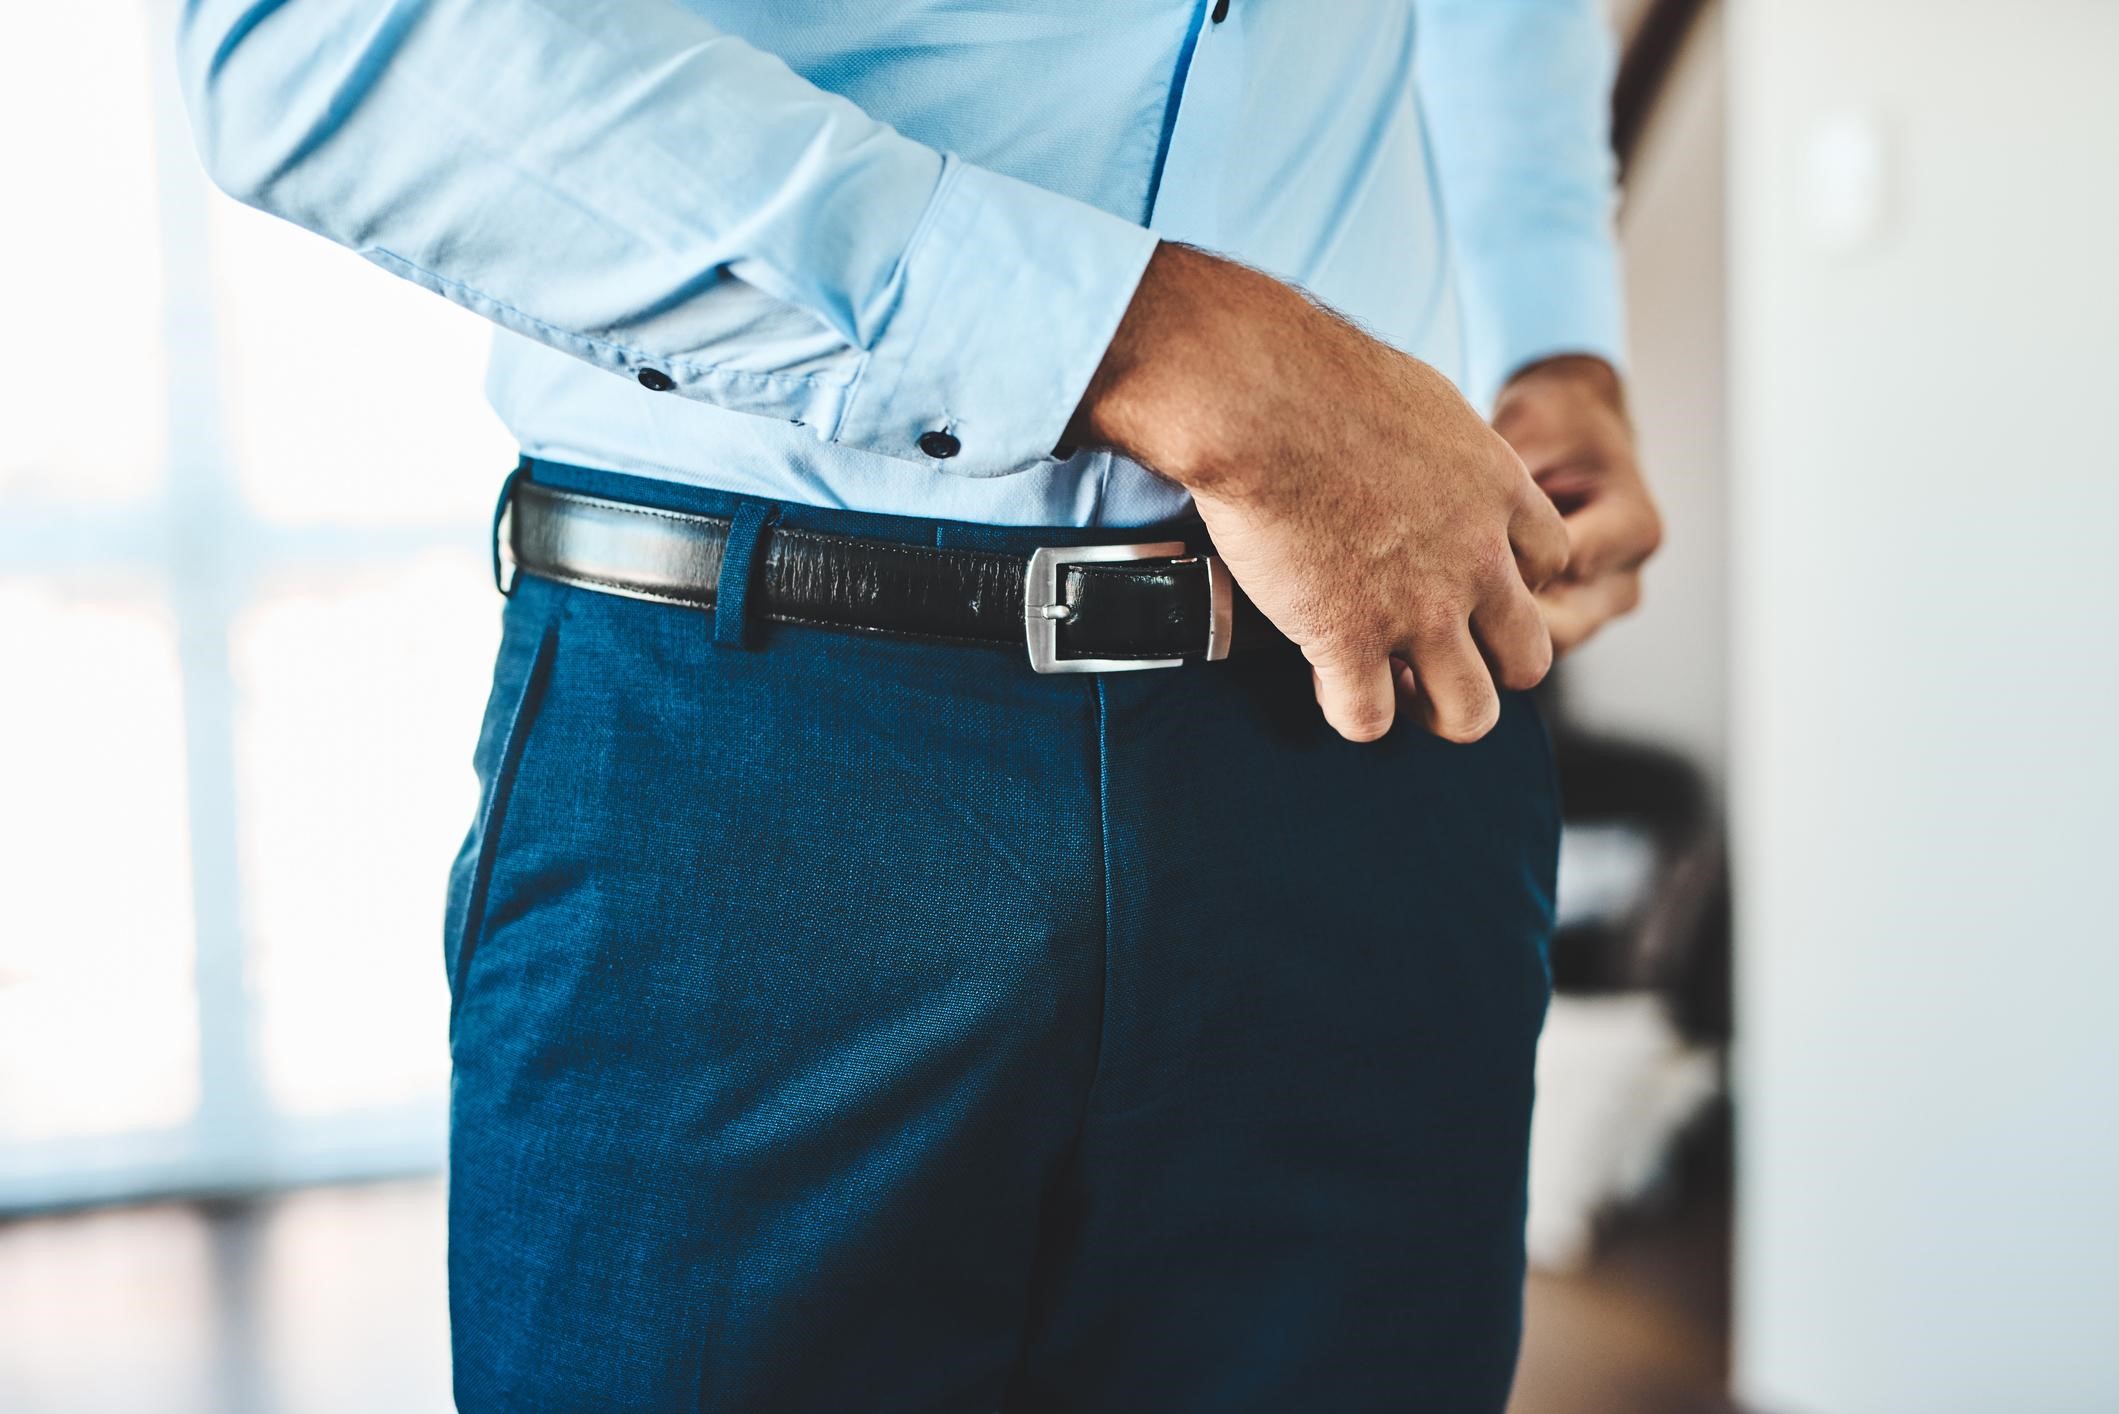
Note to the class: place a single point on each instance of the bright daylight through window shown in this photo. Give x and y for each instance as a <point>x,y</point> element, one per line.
<point>260,655</point>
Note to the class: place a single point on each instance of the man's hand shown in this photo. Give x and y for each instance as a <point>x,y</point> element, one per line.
<point>1362,504</point>
<point>1566,418</point>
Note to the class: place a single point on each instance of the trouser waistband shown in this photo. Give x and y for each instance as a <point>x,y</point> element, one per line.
<point>1074,599</point>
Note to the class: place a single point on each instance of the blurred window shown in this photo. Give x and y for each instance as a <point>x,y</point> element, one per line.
<point>246,627</point>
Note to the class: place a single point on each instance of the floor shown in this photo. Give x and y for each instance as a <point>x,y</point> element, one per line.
<point>1645,1329</point>
<point>330,1301</point>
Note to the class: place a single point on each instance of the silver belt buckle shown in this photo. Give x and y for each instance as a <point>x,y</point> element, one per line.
<point>1044,610</point>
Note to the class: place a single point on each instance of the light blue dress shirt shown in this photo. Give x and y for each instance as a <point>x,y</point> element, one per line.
<point>828,227</point>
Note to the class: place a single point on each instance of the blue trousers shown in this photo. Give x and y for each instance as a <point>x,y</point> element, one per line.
<point>852,1024</point>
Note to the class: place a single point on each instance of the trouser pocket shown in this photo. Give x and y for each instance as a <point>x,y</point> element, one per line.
<point>521,672</point>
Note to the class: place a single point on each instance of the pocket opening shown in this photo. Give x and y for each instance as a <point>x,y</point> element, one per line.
<point>468,927</point>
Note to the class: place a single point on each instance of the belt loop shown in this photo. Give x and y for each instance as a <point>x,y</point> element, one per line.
<point>739,571</point>
<point>503,568</point>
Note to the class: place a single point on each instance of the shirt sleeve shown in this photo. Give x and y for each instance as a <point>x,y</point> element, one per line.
<point>623,181</point>
<point>1517,98</point>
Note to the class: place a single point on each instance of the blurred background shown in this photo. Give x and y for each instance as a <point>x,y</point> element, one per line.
<point>1840,1139</point>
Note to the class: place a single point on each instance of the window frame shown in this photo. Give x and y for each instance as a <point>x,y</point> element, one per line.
<point>204,555</point>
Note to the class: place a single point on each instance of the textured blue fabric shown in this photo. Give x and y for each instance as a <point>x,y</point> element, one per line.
<point>824,228</point>
<point>739,565</point>
<point>857,1024</point>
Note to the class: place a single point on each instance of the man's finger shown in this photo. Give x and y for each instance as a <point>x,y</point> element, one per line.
<point>1357,695</point>
<point>1539,538</point>
<point>1455,688</point>
<point>1575,611</point>
<point>1513,632</point>
<point>1408,687</point>
<point>1567,618</point>
<point>1612,534</point>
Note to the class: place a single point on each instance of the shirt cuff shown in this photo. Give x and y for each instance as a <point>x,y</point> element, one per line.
<point>1536,301</point>
<point>1008,296</point>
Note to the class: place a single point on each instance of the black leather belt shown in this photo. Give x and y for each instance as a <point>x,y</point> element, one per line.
<point>1081,608</point>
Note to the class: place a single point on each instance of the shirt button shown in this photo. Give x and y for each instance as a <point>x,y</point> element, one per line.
<point>656,381</point>
<point>939,445</point>
<point>1221,10</point>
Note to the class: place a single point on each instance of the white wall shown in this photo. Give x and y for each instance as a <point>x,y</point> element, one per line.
<point>1926,730</point>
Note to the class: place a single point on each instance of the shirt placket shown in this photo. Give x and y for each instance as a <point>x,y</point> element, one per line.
<point>1187,205</point>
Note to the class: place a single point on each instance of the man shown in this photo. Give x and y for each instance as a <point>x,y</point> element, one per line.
<point>866,995</point>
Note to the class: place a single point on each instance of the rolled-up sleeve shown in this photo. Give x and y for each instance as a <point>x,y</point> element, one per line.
<point>623,181</point>
<point>1517,97</point>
